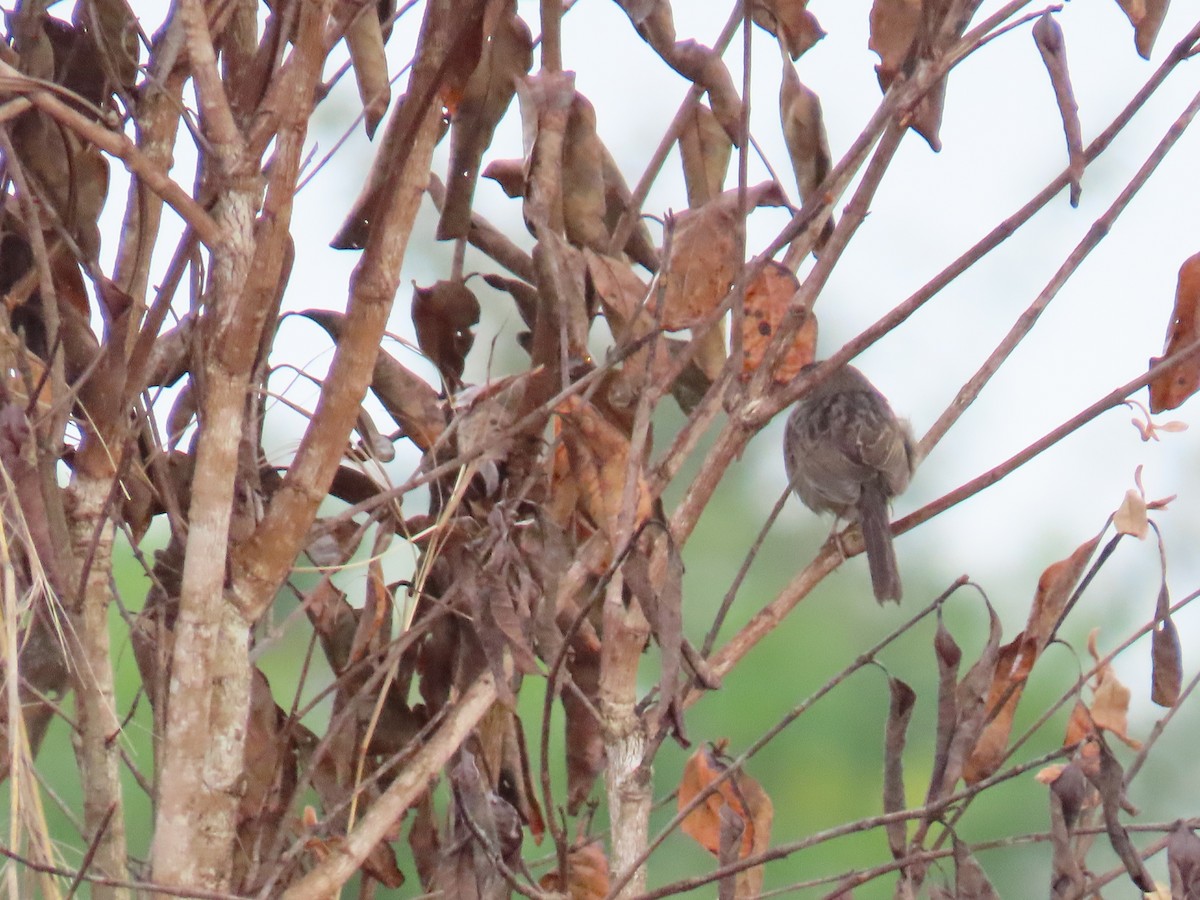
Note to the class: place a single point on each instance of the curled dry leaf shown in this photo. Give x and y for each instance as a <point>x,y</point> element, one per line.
<point>741,793</point>
<point>794,26</point>
<point>1016,660</point>
<point>894,25</point>
<point>704,256</point>
<point>584,738</point>
<point>1109,780</point>
<point>364,41</point>
<point>1183,862</point>
<point>694,61</point>
<point>1110,698</point>
<point>587,875</point>
<point>485,416</point>
<point>705,149</point>
<point>617,200</point>
<point>1170,389</point>
<point>1130,517</point>
<point>1049,39</point>
<point>1054,589</point>
<point>807,143</point>
<point>1146,17</point>
<point>599,455</point>
<point>445,59</point>
<point>409,400</point>
<point>970,882</point>
<point>949,657</point>
<point>1166,654</point>
<point>509,174</point>
<point>505,57</point>
<point>903,699</point>
<point>443,316</point>
<point>767,299</point>
<point>1069,791</point>
<point>583,195</point>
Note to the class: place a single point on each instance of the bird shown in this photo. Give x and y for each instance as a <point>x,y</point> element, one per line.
<point>846,452</point>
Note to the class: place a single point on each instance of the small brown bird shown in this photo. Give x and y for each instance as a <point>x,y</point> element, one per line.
<point>846,452</point>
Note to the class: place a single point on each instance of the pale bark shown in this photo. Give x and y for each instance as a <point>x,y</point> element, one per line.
<point>97,748</point>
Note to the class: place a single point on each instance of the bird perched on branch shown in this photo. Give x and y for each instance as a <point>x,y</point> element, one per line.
<point>846,452</point>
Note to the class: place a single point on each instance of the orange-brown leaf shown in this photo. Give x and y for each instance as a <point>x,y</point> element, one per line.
<point>1146,17</point>
<point>795,27</point>
<point>741,793</point>
<point>1054,590</point>
<point>1012,669</point>
<point>599,454</point>
<point>894,26</point>
<point>1110,698</point>
<point>766,304</point>
<point>1170,389</point>
<point>587,875</point>
<point>704,256</point>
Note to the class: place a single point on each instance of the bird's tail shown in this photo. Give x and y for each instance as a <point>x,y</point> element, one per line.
<point>877,537</point>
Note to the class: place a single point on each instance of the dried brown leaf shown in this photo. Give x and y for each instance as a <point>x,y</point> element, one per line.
<point>1068,793</point>
<point>443,316</point>
<point>970,882</point>
<point>949,656</point>
<point>894,25</point>
<point>1110,698</point>
<point>617,200</point>
<point>1054,590</point>
<point>1146,17</point>
<point>599,454</point>
<point>807,143</point>
<point>1110,783</point>
<point>1166,654</point>
<point>662,604</point>
<point>1183,862</point>
<point>364,41</point>
<point>766,304</point>
<point>584,738</point>
<point>705,149</point>
<point>1170,389</point>
<point>741,793</point>
<point>1014,662</point>
<point>1048,36</point>
<point>795,27</point>
<point>704,256</point>
<point>691,59</point>
<point>587,875</point>
<point>408,399</point>
<point>903,699</point>
<point>583,194</point>
<point>506,56</point>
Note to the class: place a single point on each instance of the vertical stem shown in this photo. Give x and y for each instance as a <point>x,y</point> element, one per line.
<point>628,773</point>
<point>98,748</point>
<point>552,35</point>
